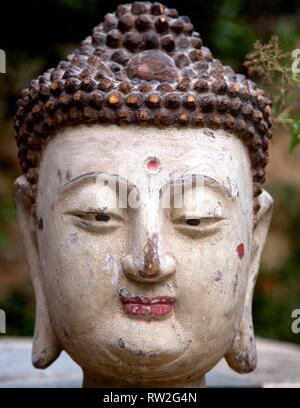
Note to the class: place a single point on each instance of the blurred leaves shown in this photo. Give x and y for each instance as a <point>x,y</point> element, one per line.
<point>288,34</point>
<point>295,131</point>
<point>230,29</point>
<point>277,291</point>
<point>19,309</point>
<point>275,68</point>
<point>7,212</point>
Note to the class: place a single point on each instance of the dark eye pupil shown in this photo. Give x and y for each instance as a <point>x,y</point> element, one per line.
<point>102,217</point>
<point>193,221</point>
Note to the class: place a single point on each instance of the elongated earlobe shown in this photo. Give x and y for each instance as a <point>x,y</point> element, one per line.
<point>46,347</point>
<point>241,356</point>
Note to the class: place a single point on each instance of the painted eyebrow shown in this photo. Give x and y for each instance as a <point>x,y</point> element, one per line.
<point>229,191</point>
<point>91,177</point>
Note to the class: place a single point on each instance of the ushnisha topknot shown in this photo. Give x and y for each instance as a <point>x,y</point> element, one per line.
<point>143,65</point>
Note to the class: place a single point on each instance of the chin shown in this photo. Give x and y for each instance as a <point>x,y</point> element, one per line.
<point>148,353</point>
<point>143,360</point>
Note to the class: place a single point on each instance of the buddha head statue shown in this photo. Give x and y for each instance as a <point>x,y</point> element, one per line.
<point>141,204</point>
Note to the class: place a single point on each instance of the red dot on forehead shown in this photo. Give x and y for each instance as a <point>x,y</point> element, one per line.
<point>152,165</point>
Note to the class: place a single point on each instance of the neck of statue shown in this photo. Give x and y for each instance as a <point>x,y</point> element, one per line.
<point>92,380</point>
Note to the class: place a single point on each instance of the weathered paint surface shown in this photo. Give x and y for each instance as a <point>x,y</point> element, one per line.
<point>136,295</point>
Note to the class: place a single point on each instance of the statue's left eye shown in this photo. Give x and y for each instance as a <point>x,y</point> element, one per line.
<point>197,227</point>
<point>102,217</point>
<point>193,221</point>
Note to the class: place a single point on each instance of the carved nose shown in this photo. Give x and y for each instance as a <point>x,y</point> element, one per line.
<point>150,267</point>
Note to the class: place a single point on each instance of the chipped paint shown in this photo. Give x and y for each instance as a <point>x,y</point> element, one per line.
<point>121,343</point>
<point>217,238</point>
<point>217,276</point>
<point>151,258</point>
<point>211,136</point>
<point>217,211</point>
<point>108,262</point>
<point>235,282</point>
<point>40,223</point>
<point>116,270</point>
<point>73,240</point>
<point>233,189</point>
<point>68,175</point>
<point>59,175</point>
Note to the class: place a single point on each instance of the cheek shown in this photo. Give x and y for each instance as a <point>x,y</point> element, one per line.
<point>212,276</point>
<point>82,273</point>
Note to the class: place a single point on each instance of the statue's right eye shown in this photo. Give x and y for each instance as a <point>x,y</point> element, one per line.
<point>102,217</point>
<point>95,221</point>
<point>90,216</point>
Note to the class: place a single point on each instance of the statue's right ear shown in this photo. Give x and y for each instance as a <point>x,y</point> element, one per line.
<point>46,347</point>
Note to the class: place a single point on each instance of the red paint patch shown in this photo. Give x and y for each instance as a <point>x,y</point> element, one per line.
<point>240,249</point>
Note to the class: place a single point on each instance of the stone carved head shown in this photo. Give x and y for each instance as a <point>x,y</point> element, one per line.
<point>141,204</point>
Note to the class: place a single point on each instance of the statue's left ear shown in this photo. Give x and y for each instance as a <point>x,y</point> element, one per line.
<point>45,347</point>
<point>241,356</point>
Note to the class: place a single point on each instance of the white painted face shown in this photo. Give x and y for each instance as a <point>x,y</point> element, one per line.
<point>148,293</point>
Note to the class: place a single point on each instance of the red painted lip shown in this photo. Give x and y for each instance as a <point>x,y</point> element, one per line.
<point>142,306</point>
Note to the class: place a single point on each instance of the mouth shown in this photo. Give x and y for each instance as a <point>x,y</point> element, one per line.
<point>144,306</point>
